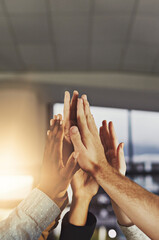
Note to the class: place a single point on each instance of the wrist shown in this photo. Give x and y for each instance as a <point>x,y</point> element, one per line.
<point>79,211</point>
<point>81,199</point>
<point>101,170</point>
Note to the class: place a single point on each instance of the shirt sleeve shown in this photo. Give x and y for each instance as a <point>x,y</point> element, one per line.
<point>72,232</point>
<point>29,219</point>
<point>133,233</point>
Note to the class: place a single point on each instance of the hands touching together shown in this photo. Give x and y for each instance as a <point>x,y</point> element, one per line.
<point>76,153</point>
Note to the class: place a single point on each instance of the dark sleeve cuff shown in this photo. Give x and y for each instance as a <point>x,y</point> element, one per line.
<point>72,232</point>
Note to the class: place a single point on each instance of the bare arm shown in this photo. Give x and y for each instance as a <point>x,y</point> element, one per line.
<point>84,188</point>
<point>141,206</point>
<point>115,156</point>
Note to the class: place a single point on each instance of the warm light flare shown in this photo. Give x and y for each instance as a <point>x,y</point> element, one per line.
<point>15,187</point>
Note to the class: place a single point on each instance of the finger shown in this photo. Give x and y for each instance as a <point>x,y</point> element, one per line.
<point>121,158</point>
<point>106,136</point>
<point>66,113</point>
<point>89,117</point>
<point>101,130</point>
<point>81,121</point>
<point>52,123</point>
<point>56,127</point>
<point>113,137</point>
<point>73,108</point>
<point>58,142</point>
<point>76,139</point>
<point>71,165</point>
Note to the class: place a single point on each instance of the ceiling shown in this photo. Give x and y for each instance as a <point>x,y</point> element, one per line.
<point>79,35</point>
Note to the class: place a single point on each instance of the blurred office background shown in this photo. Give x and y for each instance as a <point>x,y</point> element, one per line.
<point>107,49</point>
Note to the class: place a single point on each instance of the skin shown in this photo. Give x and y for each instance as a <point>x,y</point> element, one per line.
<point>56,176</point>
<point>83,185</point>
<point>141,206</point>
<point>115,155</point>
<point>84,188</point>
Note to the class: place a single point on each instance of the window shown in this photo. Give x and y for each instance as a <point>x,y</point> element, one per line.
<point>139,130</point>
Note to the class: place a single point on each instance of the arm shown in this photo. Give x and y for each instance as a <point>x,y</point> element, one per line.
<point>128,195</point>
<point>43,205</point>
<point>115,156</point>
<point>79,223</point>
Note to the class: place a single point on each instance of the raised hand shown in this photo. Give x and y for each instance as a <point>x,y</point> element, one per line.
<point>70,119</point>
<point>84,185</point>
<point>115,156</point>
<point>84,188</point>
<point>56,176</point>
<point>86,140</point>
<point>114,152</point>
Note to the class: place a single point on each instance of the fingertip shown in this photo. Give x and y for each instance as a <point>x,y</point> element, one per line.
<point>75,155</point>
<point>110,124</point>
<point>67,94</point>
<point>75,92</point>
<point>84,97</point>
<point>48,132</point>
<point>73,130</point>
<point>55,117</point>
<point>104,122</point>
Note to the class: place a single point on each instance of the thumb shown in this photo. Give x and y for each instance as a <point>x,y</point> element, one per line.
<point>121,158</point>
<point>76,139</point>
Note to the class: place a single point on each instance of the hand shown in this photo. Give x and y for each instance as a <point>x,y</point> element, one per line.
<point>115,156</point>
<point>70,119</point>
<point>86,140</point>
<point>83,185</point>
<point>114,152</point>
<point>56,176</point>
<point>84,188</point>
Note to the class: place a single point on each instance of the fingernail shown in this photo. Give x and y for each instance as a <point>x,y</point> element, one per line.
<point>61,122</point>
<point>51,122</point>
<point>66,93</point>
<point>48,132</point>
<point>75,92</point>
<point>74,130</point>
<point>85,96</point>
<point>75,155</point>
<point>123,145</point>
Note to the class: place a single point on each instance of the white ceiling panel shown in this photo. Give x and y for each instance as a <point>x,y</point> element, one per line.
<point>31,29</point>
<point>70,6</point>
<point>141,56</point>
<point>9,59</point>
<point>148,7</point>
<point>146,30</point>
<point>25,6</point>
<point>115,6</point>
<point>110,29</point>
<point>106,56</point>
<point>37,57</point>
<point>5,36</point>
<point>71,29</point>
<point>72,57</point>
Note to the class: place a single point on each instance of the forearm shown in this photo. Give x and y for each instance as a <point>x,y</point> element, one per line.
<point>30,218</point>
<point>122,218</point>
<point>79,211</point>
<point>141,206</point>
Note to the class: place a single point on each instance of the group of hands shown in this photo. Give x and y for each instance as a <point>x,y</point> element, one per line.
<point>75,152</point>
